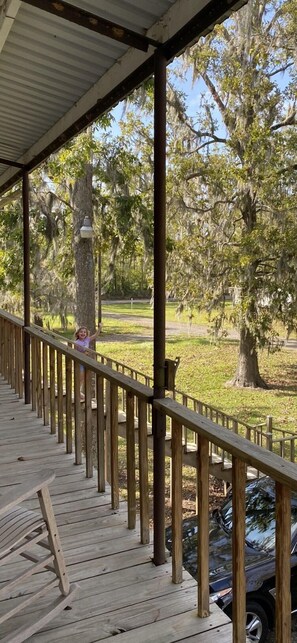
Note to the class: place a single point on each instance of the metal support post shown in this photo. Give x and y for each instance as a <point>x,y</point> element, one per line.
<point>26,277</point>
<point>159,420</point>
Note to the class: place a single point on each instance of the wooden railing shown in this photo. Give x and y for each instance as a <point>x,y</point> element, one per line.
<point>243,453</point>
<point>55,397</point>
<point>279,440</point>
<point>55,386</point>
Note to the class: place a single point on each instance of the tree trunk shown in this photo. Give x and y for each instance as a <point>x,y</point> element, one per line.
<point>83,252</point>
<point>247,373</point>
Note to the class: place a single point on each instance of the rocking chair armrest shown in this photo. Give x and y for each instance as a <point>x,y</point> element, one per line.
<point>25,490</point>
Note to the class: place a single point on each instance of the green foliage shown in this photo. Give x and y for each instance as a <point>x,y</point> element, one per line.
<point>232,206</point>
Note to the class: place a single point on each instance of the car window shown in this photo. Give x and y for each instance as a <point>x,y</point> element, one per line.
<point>260,516</point>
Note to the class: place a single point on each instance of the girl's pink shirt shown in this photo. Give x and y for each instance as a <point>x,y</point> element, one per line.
<point>82,344</point>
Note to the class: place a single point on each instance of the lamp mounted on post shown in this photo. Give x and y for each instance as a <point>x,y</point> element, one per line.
<point>86,230</point>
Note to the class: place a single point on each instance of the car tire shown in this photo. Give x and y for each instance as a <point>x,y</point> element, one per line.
<point>256,622</point>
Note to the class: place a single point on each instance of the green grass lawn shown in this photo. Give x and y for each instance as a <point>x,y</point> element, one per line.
<point>144,309</point>
<point>206,368</point>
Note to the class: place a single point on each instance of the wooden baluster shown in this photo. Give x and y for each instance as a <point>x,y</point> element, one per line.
<point>269,442</point>
<point>184,429</point>
<point>143,472</point>
<point>130,444</point>
<point>88,423</point>
<point>100,432</point>
<point>177,551</point>
<point>9,343</point>
<point>77,414</point>
<point>235,426</point>
<point>238,550</point>
<point>19,353</point>
<point>60,397</point>
<point>292,449</point>
<point>38,379</point>
<point>283,564</point>
<point>45,384</point>
<point>3,348</point>
<point>68,405</point>
<point>52,390</point>
<point>107,429</point>
<point>114,459</point>
<point>33,372</point>
<point>203,526</point>
<point>22,339</point>
<point>12,356</point>
<point>15,357</point>
<point>7,349</point>
<point>1,344</point>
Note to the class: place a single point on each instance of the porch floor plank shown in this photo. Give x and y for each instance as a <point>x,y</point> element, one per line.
<point>121,591</point>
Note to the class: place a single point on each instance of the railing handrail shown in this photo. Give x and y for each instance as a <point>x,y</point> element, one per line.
<point>238,446</point>
<point>12,318</point>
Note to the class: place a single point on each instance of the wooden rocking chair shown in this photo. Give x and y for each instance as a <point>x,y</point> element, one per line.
<point>20,531</point>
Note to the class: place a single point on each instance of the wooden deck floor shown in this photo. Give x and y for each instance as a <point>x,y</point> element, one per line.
<point>121,592</point>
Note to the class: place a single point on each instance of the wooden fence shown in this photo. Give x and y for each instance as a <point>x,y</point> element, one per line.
<point>279,440</point>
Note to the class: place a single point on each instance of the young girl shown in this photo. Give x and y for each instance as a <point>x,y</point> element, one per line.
<point>82,343</point>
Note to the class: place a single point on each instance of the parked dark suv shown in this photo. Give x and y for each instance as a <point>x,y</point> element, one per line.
<point>259,555</point>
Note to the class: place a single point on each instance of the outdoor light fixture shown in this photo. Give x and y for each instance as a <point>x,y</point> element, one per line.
<point>86,231</point>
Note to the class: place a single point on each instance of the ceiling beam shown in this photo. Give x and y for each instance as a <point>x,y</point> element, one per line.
<point>8,12</point>
<point>95,23</point>
<point>11,163</point>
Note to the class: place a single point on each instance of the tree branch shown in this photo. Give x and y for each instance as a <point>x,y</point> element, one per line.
<point>59,198</point>
<point>214,92</point>
<point>290,120</point>
<point>280,70</point>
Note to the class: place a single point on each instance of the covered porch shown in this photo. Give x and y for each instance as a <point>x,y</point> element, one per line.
<point>128,586</point>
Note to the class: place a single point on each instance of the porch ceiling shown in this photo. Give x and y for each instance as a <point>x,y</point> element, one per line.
<point>60,67</point>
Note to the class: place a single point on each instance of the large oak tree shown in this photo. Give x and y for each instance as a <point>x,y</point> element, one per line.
<point>233,208</point>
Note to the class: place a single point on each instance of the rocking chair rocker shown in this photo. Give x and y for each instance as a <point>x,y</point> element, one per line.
<point>20,531</point>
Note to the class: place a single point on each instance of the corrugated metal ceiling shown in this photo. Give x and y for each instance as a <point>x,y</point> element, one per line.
<point>56,75</point>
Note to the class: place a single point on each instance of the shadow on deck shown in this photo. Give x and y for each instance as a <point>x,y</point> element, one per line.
<point>121,591</point>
